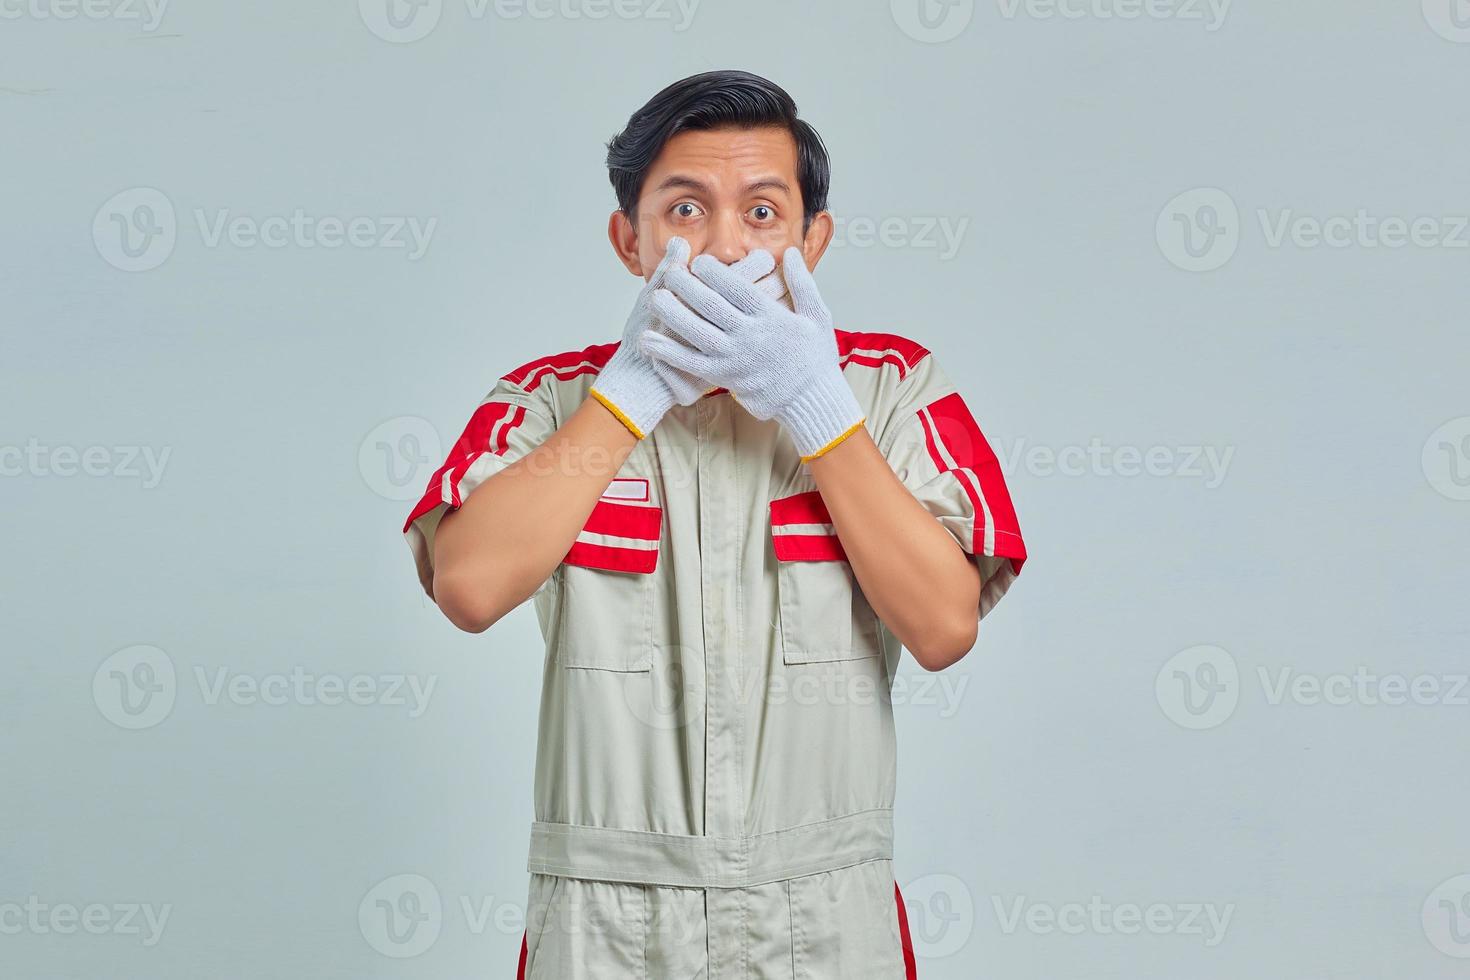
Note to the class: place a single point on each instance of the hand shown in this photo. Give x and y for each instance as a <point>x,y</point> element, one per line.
<point>630,384</point>
<point>759,268</point>
<point>638,390</point>
<point>779,363</point>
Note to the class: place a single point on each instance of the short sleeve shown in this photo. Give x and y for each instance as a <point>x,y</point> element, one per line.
<point>507,425</point>
<point>936,448</point>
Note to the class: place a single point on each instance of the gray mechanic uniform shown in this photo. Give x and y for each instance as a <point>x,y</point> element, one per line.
<point>715,760</point>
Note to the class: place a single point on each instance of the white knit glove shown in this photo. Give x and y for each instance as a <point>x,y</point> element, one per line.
<point>757,267</point>
<point>638,390</point>
<point>779,363</point>
<point>629,384</point>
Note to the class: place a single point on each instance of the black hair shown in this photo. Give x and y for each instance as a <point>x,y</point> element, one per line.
<point>712,100</point>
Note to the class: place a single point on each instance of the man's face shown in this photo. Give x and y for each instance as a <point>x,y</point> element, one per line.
<point>726,192</point>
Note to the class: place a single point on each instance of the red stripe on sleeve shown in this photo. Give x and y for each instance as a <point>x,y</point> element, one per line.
<point>948,423</point>
<point>474,441</point>
<point>931,444</point>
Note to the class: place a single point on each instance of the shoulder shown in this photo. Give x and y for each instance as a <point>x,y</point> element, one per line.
<point>894,377</point>
<point>556,370</point>
<point>889,373</point>
<point>555,383</point>
<point>869,355</point>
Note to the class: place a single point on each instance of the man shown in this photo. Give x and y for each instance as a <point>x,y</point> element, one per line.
<point>729,521</point>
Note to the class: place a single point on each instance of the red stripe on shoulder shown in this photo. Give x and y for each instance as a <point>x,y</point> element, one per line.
<point>563,366</point>
<point>877,349</point>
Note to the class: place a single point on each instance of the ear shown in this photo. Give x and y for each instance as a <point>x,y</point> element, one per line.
<point>624,238</point>
<point>818,237</point>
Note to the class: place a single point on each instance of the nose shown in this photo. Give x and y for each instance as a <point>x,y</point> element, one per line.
<point>726,239</point>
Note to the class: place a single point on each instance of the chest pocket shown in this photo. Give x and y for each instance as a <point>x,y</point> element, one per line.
<point>824,614</point>
<point>607,588</point>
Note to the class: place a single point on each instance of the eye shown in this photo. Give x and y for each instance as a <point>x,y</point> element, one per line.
<point>763,213</point>
<point>686,209</point>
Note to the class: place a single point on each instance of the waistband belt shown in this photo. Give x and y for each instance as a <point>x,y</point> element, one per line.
<point>643,857</point>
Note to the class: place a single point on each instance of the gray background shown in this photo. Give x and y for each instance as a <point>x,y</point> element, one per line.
<point>1118,732</point>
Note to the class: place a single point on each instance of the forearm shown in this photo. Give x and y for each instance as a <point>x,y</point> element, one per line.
<point>914,574</point>
<point>494,551</point>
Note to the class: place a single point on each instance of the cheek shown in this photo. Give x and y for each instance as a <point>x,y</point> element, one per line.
<point>778,238</point>
<point>653,241</point>
<point>648,257</point>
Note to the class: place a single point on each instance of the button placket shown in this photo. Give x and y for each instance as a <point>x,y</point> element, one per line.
<point>724,801</point>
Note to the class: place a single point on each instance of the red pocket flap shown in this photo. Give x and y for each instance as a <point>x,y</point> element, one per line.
<point>802,530</point>
<point>618,537</point>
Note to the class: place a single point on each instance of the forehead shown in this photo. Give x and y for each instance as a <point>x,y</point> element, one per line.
<point>727,156</point>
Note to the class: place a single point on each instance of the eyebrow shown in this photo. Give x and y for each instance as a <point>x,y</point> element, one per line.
<point>768,183</point>
<point>700,187</point>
